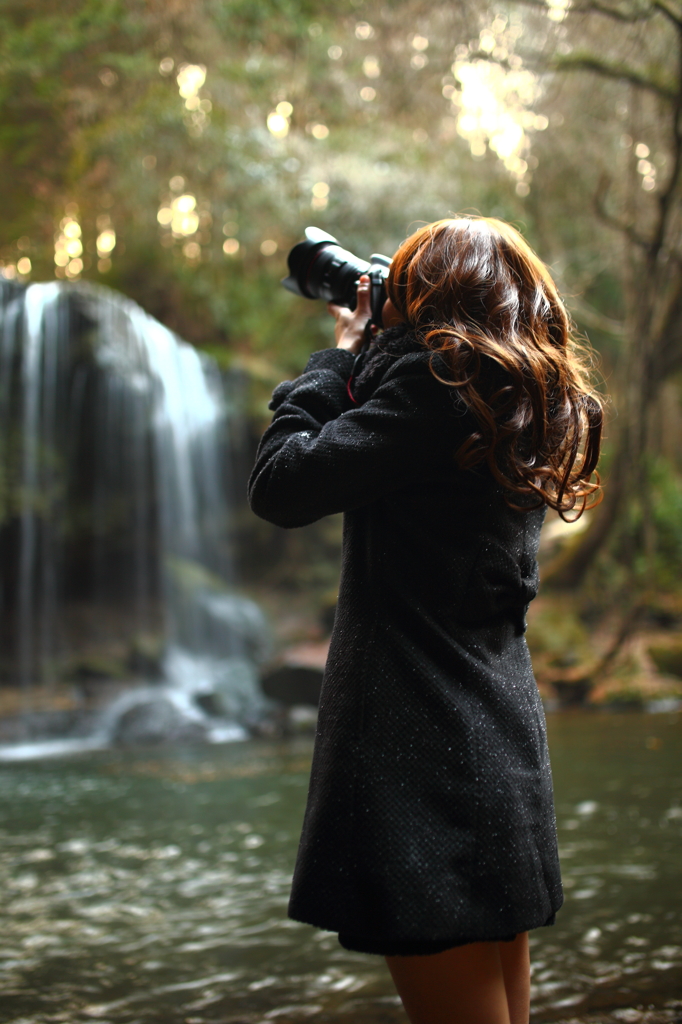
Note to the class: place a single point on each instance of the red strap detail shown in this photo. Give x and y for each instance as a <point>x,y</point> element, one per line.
<point>350,393</point>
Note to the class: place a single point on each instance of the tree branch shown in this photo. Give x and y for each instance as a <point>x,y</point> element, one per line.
<point>618,72</point>
<point>667,195</point>
<point>593,318</point>
<point>666,357</point>
<point>626,228</point>
<point>671,360</point>
<point>668,12</point>
<point>630,17</point>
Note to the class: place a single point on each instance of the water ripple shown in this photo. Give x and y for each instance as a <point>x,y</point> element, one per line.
<point>154,890</point>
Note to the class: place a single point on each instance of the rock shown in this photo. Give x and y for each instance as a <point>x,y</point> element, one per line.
<point>95,668</point>
<point>210,703</point>
<point>667,658</point>
<point>225,687</point>
<point>293,684</point>
<point>572,692</point>
<point>154,720</point>
<point>146,655</point>
<point>296,678</point>
<point>47,725</point>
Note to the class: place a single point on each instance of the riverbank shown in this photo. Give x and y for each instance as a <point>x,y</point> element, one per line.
<point>623,658</point>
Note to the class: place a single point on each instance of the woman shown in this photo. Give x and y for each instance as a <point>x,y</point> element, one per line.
<point>429,835</point>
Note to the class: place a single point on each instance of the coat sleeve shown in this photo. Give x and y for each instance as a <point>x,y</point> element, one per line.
<point>322,455</point>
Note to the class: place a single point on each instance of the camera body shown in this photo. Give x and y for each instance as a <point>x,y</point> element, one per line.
<point>319,268</point>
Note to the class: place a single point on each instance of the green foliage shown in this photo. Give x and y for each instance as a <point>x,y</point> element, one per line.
<point>92,124</point>
<point>667,506</point>
<point>556,635</point>
<point>660,517</point>
<point>88,119</point>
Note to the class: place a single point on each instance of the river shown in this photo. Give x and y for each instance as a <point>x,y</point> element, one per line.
<point>152,887</point>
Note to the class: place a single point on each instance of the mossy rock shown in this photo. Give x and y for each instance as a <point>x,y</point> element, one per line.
<point>572,692</point>
<point>146,655</point>
<point>625,699</point>
<point>667,658</point>
<point>95,668</point>
<point>189,576</point>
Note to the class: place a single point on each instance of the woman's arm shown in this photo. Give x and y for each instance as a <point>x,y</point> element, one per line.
<point>320,455</point>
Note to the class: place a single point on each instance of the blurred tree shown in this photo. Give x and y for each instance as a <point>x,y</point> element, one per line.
<point>265,116</point>
<point>175,149</point>
<point>624,152</point>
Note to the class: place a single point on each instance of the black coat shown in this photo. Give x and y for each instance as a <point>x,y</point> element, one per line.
<point>430,819</point>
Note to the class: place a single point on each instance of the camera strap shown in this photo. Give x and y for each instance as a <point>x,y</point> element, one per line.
<point>368,337</point>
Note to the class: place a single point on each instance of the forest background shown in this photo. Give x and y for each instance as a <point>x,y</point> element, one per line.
<point>176,150</point>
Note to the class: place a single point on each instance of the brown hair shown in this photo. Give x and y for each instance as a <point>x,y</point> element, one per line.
<point>478,296</point>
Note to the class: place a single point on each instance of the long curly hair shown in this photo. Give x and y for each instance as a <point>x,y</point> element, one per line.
<point>478,296</point>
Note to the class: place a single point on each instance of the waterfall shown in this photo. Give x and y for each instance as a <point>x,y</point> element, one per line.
<point>114,543</point>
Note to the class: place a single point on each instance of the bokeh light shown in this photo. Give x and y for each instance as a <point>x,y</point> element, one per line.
<point>190,78</point>
<point>278,125</point>
<point>363,30</point>
<point>106,242</point>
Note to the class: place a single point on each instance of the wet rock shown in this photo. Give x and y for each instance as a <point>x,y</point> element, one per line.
<point>293,684</point>
<point>155,720</point>
<point>40,725</point>
<point>209,703</point>
<point>296,677</point>
<point>226,687</point>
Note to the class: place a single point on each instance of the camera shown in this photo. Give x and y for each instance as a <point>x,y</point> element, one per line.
<point>320,269</point>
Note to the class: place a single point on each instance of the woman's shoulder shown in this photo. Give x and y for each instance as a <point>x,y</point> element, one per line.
<point>393,344</point>
<point>397,352</point>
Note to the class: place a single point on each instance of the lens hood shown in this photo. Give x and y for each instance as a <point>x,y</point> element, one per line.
<point>319,268</point>
<point>301,258</point>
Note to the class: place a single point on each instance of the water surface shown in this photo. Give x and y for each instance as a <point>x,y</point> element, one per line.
<point>152,887</point>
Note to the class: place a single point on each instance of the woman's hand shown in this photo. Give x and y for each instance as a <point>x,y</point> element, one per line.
<point>350,324</point>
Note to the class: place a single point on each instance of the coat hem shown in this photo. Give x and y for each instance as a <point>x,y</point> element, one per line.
<point>378,946</point>
<point>359,945</point>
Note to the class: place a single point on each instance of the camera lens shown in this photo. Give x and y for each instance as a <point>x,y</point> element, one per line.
<point>320,269</point>
<point>333,275</point>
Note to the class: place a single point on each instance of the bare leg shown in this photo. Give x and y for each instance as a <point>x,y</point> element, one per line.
<point>464,985</point>
<point>515,959</point>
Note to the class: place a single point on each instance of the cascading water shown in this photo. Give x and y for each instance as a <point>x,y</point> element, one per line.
<point>114,544</point>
